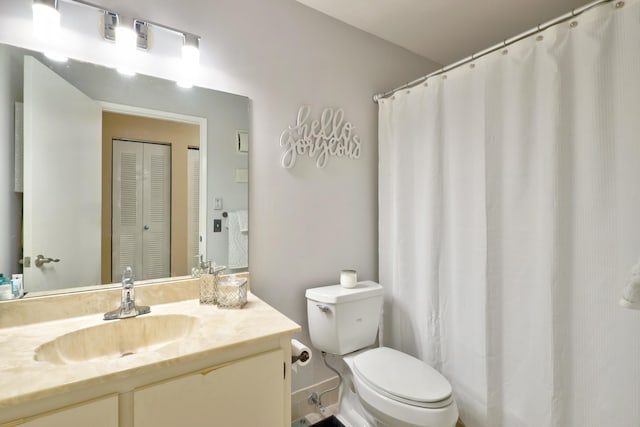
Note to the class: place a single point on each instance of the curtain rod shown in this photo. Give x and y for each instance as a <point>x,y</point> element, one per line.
<point>507,42</point>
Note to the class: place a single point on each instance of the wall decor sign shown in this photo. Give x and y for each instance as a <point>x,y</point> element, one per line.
<point>331,135</point>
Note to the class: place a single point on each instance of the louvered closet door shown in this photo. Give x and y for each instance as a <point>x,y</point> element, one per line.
<point>193,248</point>
<point>141,209</point>
<point>126,218</point>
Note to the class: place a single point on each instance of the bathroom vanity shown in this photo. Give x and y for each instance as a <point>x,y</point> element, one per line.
<point>182,364</point>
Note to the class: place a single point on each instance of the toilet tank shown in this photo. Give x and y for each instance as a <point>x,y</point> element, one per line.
<point>343,320</point>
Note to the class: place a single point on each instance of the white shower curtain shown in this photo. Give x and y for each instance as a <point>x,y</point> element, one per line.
<point>509,221</point>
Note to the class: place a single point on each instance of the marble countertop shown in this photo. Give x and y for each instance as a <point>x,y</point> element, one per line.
<point>24,379</point>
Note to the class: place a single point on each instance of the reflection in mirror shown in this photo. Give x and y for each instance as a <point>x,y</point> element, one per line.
<point>120,171</point>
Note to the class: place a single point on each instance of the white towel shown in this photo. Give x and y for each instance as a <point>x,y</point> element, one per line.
<point>238,239</point>
<point>631,292</point>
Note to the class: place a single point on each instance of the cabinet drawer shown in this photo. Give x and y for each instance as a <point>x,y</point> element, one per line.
<point>101,412</point>
<point>245,392</point>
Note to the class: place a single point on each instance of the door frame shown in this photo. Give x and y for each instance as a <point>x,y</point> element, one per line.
<point>202,123</point>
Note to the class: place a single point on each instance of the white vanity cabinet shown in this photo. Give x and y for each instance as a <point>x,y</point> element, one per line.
<point>246,392</point>
<point>101,412</point>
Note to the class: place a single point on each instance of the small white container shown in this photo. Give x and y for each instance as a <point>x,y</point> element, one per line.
<point>348,278</point>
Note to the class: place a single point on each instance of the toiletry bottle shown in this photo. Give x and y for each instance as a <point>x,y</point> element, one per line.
<point>6,291</point>
<point>18,289</point>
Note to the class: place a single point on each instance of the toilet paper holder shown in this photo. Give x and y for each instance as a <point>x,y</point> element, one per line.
<point>303,357</point>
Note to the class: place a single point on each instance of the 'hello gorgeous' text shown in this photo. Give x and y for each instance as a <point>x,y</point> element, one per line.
<point>329,136</point>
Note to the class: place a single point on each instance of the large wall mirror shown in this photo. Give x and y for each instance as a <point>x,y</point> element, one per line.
<point>115,170</point>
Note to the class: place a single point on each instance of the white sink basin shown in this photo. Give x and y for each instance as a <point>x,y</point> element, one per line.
<point>117,338</point>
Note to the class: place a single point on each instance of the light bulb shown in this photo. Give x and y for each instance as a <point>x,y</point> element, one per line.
<point>126,39</point>
<point>191,50</point>
<point>191,55</point>
<point>46,19</point>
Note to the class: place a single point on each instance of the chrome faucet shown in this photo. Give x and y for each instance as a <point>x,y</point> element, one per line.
<point>128,307</point>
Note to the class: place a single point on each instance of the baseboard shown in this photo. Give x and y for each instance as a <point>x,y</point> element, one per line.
<point>300,405</point>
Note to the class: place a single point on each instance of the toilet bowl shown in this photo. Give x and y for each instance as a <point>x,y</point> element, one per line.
<point>398,390</point>
<point>390,388</point>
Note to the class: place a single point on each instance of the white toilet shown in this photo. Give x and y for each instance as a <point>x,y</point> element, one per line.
<point>393,389</point>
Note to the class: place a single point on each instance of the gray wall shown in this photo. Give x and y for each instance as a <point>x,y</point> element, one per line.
<point>306,224</point>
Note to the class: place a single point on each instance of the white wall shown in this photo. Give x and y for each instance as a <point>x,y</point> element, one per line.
<point>306,224</point>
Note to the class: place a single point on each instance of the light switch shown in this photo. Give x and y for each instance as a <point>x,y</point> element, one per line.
<point>242,141</point>
<point>217,202</point>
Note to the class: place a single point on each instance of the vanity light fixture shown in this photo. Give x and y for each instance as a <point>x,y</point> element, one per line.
<point>125,39</point>
<point>46,26</point>
<point>46,19</point>
<point>190,50</point>
<point>127,33</point>
<point>190,59</point>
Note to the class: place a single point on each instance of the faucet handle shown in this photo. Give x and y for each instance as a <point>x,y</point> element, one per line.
<point>127,277</point>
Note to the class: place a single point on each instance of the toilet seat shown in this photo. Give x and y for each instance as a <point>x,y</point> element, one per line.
<point>403,378</point>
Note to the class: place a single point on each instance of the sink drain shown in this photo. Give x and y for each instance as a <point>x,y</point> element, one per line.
<point>126,354</point>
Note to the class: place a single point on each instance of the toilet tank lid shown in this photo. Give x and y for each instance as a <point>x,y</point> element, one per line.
<point>337,294</point>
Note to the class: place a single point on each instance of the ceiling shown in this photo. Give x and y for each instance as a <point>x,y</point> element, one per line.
<point>444,30</point>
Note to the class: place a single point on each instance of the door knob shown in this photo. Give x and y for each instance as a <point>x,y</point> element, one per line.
<point>146,227</point>
<point>41,260</point>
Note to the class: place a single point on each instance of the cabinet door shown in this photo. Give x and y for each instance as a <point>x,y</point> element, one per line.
<point>97,413</point>
<point>248,392</point>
